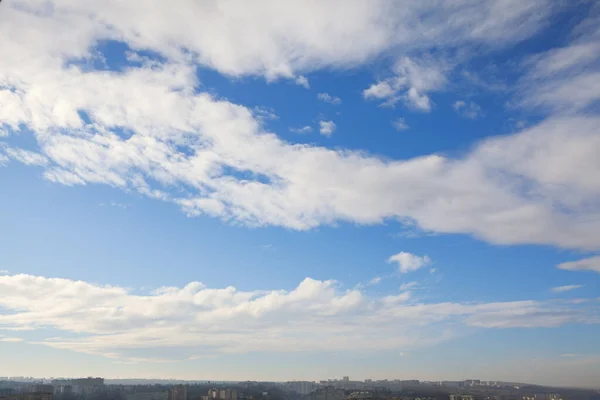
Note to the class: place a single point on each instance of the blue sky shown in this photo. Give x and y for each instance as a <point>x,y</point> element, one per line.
<point>301,190</point>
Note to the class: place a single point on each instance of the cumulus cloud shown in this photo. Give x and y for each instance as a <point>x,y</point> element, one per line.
<point>408,262</point>
<point>196,320</point>
<point>210,156</point>
<point>565,288</point>
<point>326,127</point>
<point>411,83</point>
<point>586,264</point>
<point>467,109</point>
<point>327,98</point>
<point>302,81</point>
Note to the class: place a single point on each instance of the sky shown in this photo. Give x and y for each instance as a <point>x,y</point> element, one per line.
<point>266,190</point>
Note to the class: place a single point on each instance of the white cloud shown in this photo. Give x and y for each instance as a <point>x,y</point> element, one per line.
<point>408,262</point>
<point>408,286</point>
<point>26,157</point>
<point>586,264</point>
<point>501,191</point>
<point>274,39</point>
<point>411,83</point>
<point>304,129</point>
<point>303,81</point>
<point>539,185</point>
<point>400,124</point>
<point>467,109</point>
<point>566,79</point>
<point>199,321</point>
<point>327,98</point>
<point>375,281</point>
<point>3,271</point>
<point>10,339</point>
<point>114,204</point>
<point>565,288</point>
<point>326,127</point>
<point>264,113</point>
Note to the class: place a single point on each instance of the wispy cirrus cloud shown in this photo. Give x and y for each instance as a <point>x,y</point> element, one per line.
<point>304,129</point>
<point>25,156</point>
<point>566,79</point>
<point>409,286</point>
<point>11,339</point>
<point>565,288</point>
<point>375,281</point>
<point>585,264</point>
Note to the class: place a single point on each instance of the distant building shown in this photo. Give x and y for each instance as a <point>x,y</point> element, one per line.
<point>461,397</point>
<point>326,393</point>
<point>362,395</point>
<point>301,387</point>
<point>452,384</point>
<point>160,395</point>
<point>62,390</point>
<point>28,396</point>
<point>81,386</point>
<point>227,394</point>
<point>41,388</point>
<point>410,382</point>
<point>79,382</point>
<point>178,392</point>
<point>37,396</point>
<point>223,394</point>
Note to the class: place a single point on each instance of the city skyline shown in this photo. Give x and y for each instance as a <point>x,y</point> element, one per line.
<point>291,190</point>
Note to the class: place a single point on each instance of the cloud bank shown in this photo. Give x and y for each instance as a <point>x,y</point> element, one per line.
<point>194,320</point>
